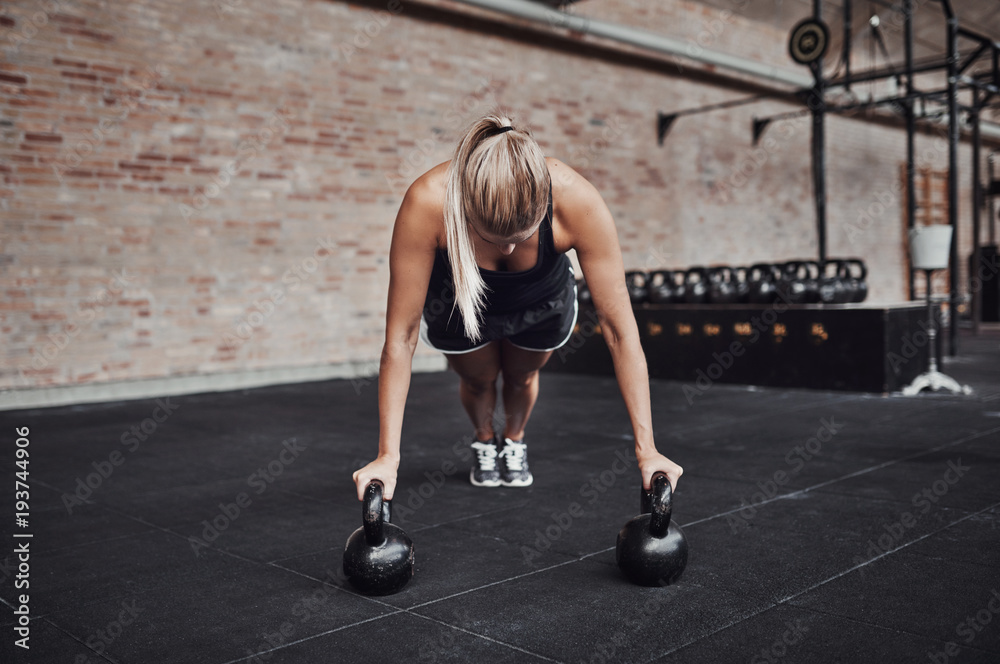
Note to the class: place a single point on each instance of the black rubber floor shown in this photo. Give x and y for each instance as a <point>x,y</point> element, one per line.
<point>823,527</point>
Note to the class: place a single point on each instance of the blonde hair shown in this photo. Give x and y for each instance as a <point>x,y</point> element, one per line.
<point>499,181</point>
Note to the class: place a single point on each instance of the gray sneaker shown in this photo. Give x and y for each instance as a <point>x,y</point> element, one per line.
<point>484,472</point>
<point>514,469</point>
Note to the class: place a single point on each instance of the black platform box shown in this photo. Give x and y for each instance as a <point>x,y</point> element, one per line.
<point>839,347</point>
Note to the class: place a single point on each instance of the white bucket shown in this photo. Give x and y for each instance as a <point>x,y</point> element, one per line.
<point>930,246</point>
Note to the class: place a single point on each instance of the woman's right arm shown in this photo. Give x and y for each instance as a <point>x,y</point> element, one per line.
<point>411,258</point>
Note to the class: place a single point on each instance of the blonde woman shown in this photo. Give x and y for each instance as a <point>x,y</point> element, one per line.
<point>478,271</point>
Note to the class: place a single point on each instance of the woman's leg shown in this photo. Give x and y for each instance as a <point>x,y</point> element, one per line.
<point>478,371</point>
<point>520,386</point>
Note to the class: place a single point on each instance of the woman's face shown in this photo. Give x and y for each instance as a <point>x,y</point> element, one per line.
<point>505,245</point>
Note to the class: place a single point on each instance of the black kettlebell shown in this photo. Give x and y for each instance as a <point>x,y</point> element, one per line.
<point>680,287</point>
<point>811,280</point>
<point>741,284</point>
<point>791,285</point>
<point>856,279</point>
<point>831,284</point>
<point>721,287</point>
<point>378,556</point>
<point>695,286</point>
<point>651,551</point>
<point>762,283</point>
<point>637,283</point>
<point>661,286</point>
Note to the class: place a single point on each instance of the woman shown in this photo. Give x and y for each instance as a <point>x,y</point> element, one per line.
<point>478,270</point>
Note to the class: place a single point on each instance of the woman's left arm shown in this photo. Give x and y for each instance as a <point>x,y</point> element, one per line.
<point>586,218</point>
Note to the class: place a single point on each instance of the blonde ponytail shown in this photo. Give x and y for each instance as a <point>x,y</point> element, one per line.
<point>498,180</point>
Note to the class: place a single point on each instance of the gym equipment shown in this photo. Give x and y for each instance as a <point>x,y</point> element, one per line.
<point>791,285</point>
<point>637,283</point>
<point>651,550</point>
<point>762,278</point>
<point>929,247</point>
<point>583,292</point>
<point>741,284</point>
<point>810,280</point>
<point>831,284</point>
<point>808,41</point>
<point>378,556</point>
<point>661,286</point>
<point>695,286</point>
<point>721,288</point>
<point>854,276</point>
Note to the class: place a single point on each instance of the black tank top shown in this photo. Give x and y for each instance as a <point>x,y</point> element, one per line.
<point>509,291</point>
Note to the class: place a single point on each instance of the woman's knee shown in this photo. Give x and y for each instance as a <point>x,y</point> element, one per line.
<point>520,379</point>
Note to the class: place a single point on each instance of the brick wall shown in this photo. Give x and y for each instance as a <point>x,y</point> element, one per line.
<point>209,187</point>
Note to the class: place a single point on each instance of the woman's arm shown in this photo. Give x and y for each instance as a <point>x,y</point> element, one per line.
<point>411,258</point>
<point>588,221</point>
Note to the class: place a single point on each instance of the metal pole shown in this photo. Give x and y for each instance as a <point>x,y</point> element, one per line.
<point>818,146</point>
<point>977,203</point>
<point>846,53</point>
<point>953,136</point>
<point>911,130</point>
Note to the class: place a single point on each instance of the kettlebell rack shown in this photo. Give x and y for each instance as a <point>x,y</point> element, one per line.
<point>761,325</point>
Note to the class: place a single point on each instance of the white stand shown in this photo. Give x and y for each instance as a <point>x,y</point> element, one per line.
<point>933,378</point>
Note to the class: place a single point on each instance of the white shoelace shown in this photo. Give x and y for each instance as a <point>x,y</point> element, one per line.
<point>487,453</point>
<point>514,454</point>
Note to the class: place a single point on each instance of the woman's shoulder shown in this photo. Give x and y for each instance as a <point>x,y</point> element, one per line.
<point>423,203</point>
<point>573,200</point>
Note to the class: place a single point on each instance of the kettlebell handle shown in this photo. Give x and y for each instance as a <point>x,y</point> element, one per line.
<point>662,505</point>
<point>372,514</point>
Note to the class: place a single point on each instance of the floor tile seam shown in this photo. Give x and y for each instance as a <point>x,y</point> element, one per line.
<point>471,516</point>
<point>371,599</point>
<point>153,526</point>
<point>500,581</point>
<point>481,636</point>
<point>259,655</point>
<point>858,473</point>
<point>102,656</point>
<point>789,598</point>
<point>884,627</point>
<point>732,623</point>
<point>763,414</point>
<point>893,501</point>
<point>882,555</point>
<point>80,545</point>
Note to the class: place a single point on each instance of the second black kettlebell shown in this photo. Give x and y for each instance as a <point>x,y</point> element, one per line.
<point>378,556</point>
<point>652,551</point>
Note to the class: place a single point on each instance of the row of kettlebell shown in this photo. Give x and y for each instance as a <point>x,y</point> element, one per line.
<point>836,281</point>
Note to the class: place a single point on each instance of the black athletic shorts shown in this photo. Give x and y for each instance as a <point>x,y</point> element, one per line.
<point>543,326</point>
